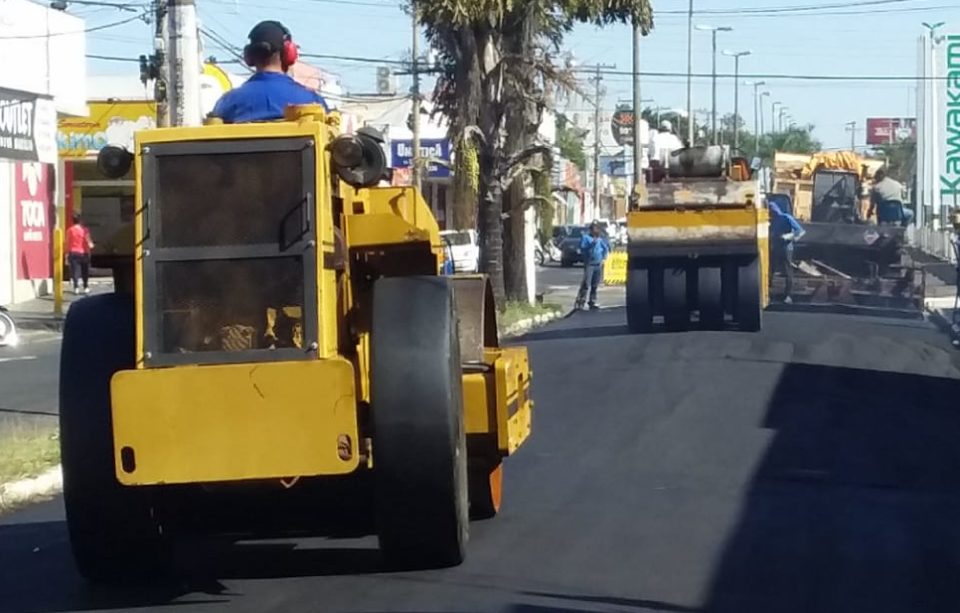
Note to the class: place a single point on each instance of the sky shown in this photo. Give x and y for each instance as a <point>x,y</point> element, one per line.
<point>834,37</point>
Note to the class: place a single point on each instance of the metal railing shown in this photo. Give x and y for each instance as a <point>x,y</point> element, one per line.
<point>939,243</point>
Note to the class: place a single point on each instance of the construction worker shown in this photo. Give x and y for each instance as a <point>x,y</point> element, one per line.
<point>785,231</point>
<point>265,95</point>
<point>595,249</point>
<point>663,143</point>
<point>886,196</point>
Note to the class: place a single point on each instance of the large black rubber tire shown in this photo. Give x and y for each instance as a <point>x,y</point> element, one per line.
<point>749,310</point>
<point>419,441</point>
<point>710,297</point>
<point>113,529</point>
<point>676,311</point>
<point>639,300</point>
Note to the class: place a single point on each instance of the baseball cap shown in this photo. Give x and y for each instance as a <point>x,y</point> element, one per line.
<point>269,33</point>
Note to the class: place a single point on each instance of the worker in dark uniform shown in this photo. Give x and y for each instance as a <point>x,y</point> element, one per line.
<point>265,95</point>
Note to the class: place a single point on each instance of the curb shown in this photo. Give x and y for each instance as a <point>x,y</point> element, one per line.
<point>51,324</point>
<point>23,491</point>
<point>525,325</point>
<point>939,320</point>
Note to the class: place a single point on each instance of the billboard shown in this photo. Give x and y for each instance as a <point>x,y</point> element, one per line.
<point>950,120</point>
<point>32,202</point>
<point>26,127</point>
<point>109,123</point>
<point>887,130</point>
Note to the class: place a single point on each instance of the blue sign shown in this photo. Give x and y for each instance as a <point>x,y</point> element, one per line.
<point>401,152</point>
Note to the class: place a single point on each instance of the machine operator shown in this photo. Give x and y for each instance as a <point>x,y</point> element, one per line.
<point>265,95</point>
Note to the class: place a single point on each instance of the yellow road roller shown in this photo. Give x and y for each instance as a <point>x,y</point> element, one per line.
<point>281,326</point>
<point>697,250</point>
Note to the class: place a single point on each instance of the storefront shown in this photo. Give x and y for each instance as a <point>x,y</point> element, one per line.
<point>27,194</point>
<point>105,204</point>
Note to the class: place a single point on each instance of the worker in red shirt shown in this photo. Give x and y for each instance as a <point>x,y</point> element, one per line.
<point>79,245</point>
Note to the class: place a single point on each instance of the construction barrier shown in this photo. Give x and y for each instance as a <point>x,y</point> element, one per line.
<point>615,268</point>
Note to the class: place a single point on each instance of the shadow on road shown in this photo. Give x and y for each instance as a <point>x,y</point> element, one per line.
<point>39,577</point>
<point>855,505</point>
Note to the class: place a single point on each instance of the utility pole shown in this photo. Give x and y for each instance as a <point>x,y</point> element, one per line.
<point>690,142</point>
<point>159,69</point>
<point>415,120</point>
<point>184,63</point>
<point>852,129</point>
<point>598,104</point>
<point>637,107</point>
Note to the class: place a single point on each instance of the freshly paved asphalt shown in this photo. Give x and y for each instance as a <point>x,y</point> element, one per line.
<point>813,467</point>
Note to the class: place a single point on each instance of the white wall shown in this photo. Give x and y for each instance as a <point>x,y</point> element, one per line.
<point>44,52</point>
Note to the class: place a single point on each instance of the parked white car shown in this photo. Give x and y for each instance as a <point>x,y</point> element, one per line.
<point>466,249</point>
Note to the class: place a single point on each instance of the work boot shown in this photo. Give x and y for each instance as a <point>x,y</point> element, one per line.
<point>594,306</point>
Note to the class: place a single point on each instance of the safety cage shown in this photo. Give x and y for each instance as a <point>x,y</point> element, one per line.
<point>228,251</point>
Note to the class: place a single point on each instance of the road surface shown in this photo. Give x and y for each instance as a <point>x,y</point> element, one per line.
<point>28,380</point>
<point>813,467</point>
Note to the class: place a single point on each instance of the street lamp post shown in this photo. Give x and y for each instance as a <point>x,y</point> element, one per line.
<point>756,113</point>
<point>783,111</point>
<point>690,142</point>
<point>773,116</point>
<point>934,165</point>
<point>736,55</point>
<point>762,96</point>
<point>713,113</point>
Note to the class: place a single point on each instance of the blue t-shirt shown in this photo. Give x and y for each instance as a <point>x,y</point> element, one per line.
<point>263,98</point>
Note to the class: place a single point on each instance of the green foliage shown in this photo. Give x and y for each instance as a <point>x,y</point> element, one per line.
<point>900,159</point>
<point>546,208</point>
<point>570,141</point>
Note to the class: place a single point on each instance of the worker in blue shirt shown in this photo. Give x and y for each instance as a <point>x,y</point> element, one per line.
<point>595,249</point>
<point>265,95</point>
<point>785,231</point>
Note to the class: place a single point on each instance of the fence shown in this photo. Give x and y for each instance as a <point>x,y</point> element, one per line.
<point>938,243</point>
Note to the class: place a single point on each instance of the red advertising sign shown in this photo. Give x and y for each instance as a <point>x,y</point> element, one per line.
<point>32,201</point>
<point>886,130</point>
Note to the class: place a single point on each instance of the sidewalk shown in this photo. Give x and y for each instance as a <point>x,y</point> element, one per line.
<point>37,314</point>
<point>940,310</point>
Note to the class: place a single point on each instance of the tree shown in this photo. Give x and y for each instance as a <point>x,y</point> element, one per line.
<point>900,159</point>
<point>495,60</point>
<point>570,142</point>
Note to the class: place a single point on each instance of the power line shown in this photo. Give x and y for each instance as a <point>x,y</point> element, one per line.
<point>85,31</point>
<point>786,9</point>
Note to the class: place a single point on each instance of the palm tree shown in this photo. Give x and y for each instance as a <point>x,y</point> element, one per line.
<point>497,70</point>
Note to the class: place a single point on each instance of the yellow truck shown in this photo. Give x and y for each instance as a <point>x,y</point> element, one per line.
<point>697,250</point>
<point>280,327</point>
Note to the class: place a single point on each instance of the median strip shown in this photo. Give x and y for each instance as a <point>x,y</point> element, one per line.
<point>29,464</point>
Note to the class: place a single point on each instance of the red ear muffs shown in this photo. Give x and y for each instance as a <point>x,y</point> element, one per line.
<point>290,53</point>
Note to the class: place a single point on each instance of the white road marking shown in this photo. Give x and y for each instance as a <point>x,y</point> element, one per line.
<point>24,358</point>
